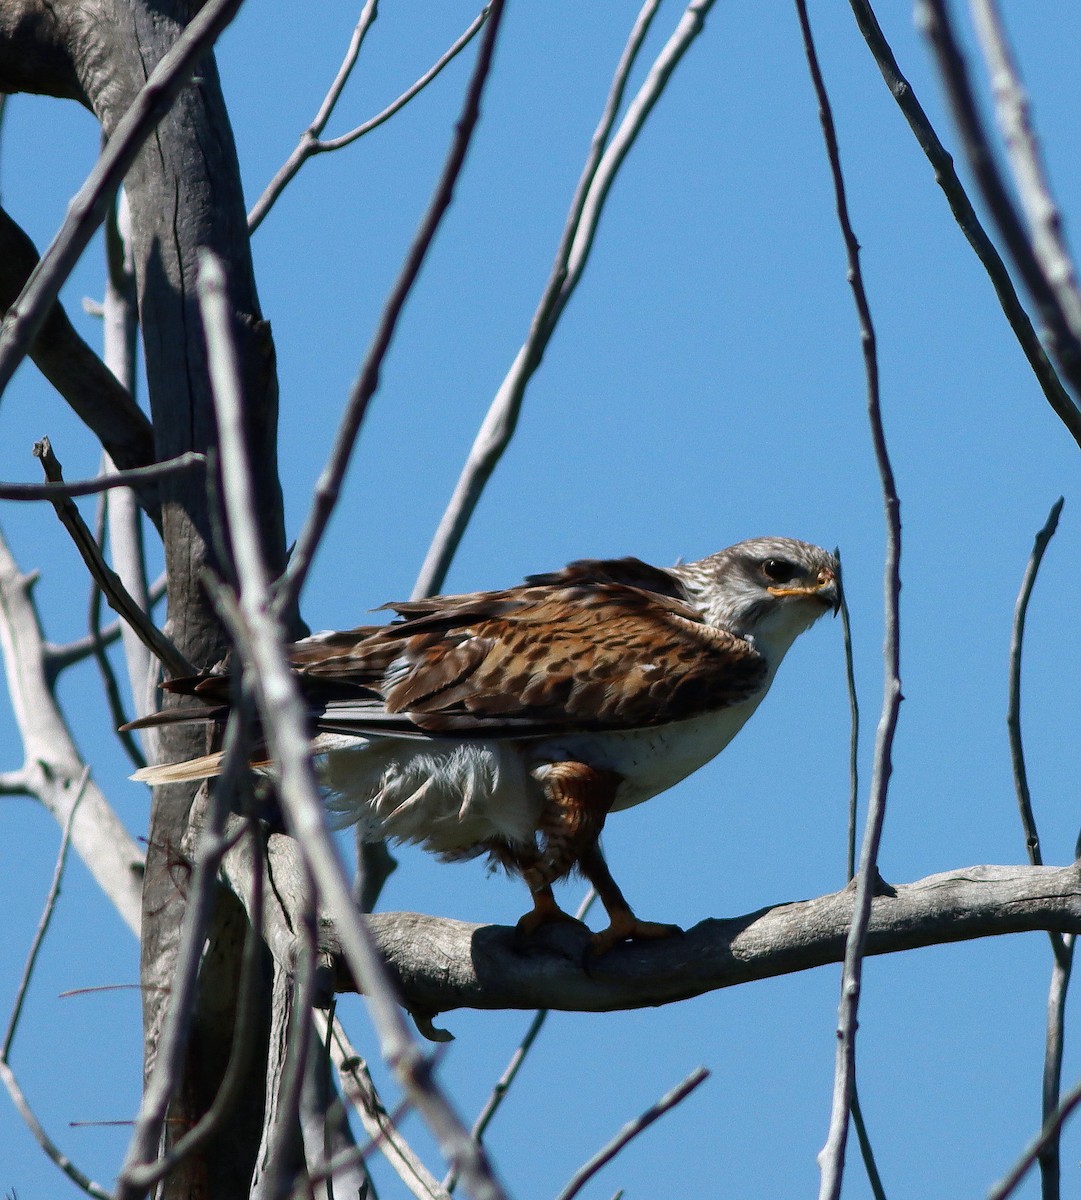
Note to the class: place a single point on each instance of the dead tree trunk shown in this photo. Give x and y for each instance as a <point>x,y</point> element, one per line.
<point>184,193</point>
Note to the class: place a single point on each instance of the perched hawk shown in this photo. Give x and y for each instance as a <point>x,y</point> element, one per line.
<point>511,723</point>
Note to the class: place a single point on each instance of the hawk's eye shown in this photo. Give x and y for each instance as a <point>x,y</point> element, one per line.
<point>778,570</point>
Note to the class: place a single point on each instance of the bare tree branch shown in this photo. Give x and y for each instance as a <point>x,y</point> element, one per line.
<point>606,155</point>
<point>440,964</point>
<point>965,215</point>
<point>261,641</point>
<point>78,374</point>
<point>1061,947</point>
<point>1050,1155</point>
<point>330,480</point>
<point>310,135</point>
<point>6,1073</point>
<point>631,1130</point>
<point>89,206</point>
<point>831,1157</point>
<point>1013,707</point>
<point>120,601</point>
<point>1064,342</point>
<point>1023,151</point>
<point>1051,1130</point>
<point>187,461</point>
<point>52,763</point>
<point>310,142</point>
<point>867,1153</point>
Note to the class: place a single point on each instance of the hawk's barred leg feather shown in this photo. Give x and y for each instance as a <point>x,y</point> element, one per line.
<point>577,799</point>
<point>625,925</point>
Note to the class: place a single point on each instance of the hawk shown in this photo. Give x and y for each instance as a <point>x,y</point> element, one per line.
<point>511,723</point>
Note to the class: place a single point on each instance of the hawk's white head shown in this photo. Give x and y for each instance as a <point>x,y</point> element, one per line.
<point>768,590</point>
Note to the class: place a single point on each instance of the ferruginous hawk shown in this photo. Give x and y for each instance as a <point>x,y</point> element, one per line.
<point>511,723</point>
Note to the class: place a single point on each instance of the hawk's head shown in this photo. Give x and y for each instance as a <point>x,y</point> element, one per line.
<point>766,589</point>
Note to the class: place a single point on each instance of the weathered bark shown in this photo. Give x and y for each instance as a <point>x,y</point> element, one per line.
<point>184,193</point>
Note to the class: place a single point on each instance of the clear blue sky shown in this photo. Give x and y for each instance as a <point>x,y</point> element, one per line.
<point>706,385</point>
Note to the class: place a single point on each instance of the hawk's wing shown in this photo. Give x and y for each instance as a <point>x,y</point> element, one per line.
<point>581,649</point>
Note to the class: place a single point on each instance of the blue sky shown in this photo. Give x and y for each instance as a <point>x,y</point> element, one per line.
<point>705,385</point>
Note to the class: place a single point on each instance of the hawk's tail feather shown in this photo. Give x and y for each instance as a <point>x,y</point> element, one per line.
<point>207,766</point>
<point>177,716</point>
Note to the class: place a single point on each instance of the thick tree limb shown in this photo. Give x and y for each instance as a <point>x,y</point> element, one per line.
<point>103,404</point>
<point>442,964</point>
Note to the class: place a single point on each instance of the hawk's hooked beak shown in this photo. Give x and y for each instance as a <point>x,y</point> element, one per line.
<point>826,590</point>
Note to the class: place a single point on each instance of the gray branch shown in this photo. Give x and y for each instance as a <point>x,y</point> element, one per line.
<point>53,765</point>
<point>103,404</point>
<point>441,964</point>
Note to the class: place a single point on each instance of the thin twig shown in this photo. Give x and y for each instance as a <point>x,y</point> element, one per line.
<point>854,728</point>
<point>67,654</point>
<point>965,215</point>
<point>46,917</point>
<point>1054,1046</point>
<point>119,598</point>
<point>631,1130</point>
<point>260,637</point>
<point>328,486</point>
<point>1023,151</point>
<point>395,106</point>
<point>1061,946</point>
<point>1065,346</point>
<point>831,1157</point>
<point>510,1073</point>
<point>301,152</point>
<point>359,1090</point>
<point>1013,706</point>
<point>1007,1186</point>
<point>189,460</point>
<point>89,206</point>
<point>606,155</point>
<point>311,144</point>
<point>110,684</point>
<point>6,1073</point>
<point>278,1140</point>
<point>866,1149</point>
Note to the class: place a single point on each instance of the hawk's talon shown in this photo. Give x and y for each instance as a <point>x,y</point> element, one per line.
<point>545,911</point>
<point>629,929</point>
